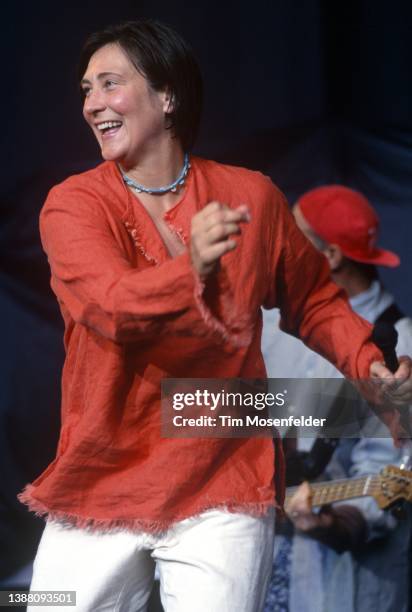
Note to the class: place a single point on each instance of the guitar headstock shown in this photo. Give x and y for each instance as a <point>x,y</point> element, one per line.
<point>392,485</point>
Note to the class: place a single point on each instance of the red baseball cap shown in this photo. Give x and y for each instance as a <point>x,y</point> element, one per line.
<point>342,216</point>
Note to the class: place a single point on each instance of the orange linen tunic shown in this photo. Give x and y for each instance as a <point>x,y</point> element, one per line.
<point>134,316</point>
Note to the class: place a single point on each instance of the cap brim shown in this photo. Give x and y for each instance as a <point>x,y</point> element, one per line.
<point>379,257</point>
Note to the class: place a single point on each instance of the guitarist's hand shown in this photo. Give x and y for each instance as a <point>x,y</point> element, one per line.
<point>341,527</point>
<point>389,393</point>
<point>299,510</point>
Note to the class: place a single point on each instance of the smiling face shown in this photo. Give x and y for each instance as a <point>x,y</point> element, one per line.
<point>126,115</point>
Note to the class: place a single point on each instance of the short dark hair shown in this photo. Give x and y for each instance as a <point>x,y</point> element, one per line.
<point>161,55</point>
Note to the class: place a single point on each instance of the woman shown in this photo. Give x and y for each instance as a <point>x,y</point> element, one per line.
<point>152,284</point>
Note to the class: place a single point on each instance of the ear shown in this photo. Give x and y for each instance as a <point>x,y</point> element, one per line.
<point>168,101</point>
<point>334,255</point>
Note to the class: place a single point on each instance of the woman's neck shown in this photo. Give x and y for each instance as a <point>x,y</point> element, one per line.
<point>156,170</point>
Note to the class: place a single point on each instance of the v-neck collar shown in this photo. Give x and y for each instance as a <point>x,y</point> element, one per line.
<point>142,228</point>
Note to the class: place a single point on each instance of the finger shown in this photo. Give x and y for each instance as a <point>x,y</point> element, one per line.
<point>400,391</point>
<point>301,502</point>
<point>378,369</point>
<point>217,250</point>
<point>305,522</point>
<point>224,216</point>
<point>382,376</point>
<point>244,210</point>
<point>200,218</point>
<point>218,207</point>
<point>212,207</point>
<point>215,206</point>
<point>399,398</point>
<point>306,493</point>
<point>405,369</point>
<point>221,232</point>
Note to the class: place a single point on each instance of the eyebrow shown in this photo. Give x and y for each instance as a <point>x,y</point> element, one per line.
<point>100,76</point>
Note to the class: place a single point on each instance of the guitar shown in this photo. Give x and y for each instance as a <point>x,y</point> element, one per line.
<point>389,486</point>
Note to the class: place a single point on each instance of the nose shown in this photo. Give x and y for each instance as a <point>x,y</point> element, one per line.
<point>94,102</point>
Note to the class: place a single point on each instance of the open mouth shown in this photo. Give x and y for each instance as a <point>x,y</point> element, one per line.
<point>108,128</point>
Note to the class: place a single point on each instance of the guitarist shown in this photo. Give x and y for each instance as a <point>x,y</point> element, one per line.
<point>342,555</point>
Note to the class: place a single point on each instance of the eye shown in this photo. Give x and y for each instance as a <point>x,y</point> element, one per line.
<point>109,84</point>
<point>85,91</point>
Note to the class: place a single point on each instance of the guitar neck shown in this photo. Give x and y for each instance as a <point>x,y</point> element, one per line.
<point>338,490</point>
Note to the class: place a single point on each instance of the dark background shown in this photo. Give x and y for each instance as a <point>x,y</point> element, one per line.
<point>308,91</point>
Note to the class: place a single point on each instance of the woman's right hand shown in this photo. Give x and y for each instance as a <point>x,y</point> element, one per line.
<point>211,234</point>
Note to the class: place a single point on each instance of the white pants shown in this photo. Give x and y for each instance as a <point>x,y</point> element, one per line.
<point>216,562</point>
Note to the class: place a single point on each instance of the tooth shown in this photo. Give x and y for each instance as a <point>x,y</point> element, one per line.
<point>108,125</point>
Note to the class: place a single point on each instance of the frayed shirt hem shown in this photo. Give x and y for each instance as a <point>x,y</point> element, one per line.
<point>110,525</point>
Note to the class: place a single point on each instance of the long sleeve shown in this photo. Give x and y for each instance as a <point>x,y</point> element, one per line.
<point>97,284</point>
<point>313,307</point>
